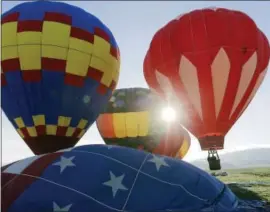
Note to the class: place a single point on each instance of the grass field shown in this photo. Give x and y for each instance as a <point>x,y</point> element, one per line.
<point>249,184</point>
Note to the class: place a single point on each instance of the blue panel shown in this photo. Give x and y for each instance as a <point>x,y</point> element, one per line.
<point>19,95</point>
<point>71,104</point>
<point>35,97</point>
<point>52,83</point>
<point>121,179</point>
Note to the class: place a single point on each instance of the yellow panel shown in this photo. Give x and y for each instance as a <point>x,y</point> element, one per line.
<point>113,62</point>
<point>39,120</point>
<point>119,125</point>
<point>82,124</point>
<point>107,77</point>
<point>51,129</point>
<point>144,120</point>
<point>30,57</point>
<point>183,149</point>
<point>97,63</point>
<point>70,131</point>
<point>54,52</point>
<point>101,47</point>
<point>103,67</point>
<point>132,124</point>
<point>19,122</point>
<point>57,34</point>
<point>63,121</point>
<point>77,63</point>
<point>115,75</point>
<point>20,133</point>
<point>32,131</point>
<point>9,52</point>
<point>9,34</point>
<point>81,134</point>
<point>29,38</point>
<point>81,45</point>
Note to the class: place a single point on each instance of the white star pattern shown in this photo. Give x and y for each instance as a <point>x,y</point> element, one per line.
<point>56,208</point>
<point>115,183</point>
<point>64,163</point>
<point>158,161</point>
<point>109,146</point>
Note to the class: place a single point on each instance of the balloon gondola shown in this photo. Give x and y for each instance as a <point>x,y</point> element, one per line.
<point>59,66</point>
<point>209,63</point>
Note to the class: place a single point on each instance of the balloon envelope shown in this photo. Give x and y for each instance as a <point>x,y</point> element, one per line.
<point>213,61</point>
<point>132,118</point>
<point>98,178</point>
<point>59,67</point>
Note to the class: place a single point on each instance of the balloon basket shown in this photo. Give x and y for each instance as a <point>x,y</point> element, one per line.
<point>213,160</point>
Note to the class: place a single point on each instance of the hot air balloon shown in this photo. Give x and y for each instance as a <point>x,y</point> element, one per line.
<point>213,61</point>
<point>133,119</point>
<point>98,178</point>
<point>59,67</point>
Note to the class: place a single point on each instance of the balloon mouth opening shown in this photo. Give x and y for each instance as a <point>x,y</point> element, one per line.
<point>44,144</point>
<point>212,142</point>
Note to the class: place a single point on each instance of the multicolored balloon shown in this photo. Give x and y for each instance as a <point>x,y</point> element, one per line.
<point>133,119</point>
<point>213,61</point>
<point>59,67</point>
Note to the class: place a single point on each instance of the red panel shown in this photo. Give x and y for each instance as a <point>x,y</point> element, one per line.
<point>102,89</point>
<point>58,17</point>
<point>32,25</point>
<point>11,65</point>
<point>25,132</point>
<point>41,130</point>
<point>3,80</point>
<point>13,17</point>
<point>22,182</point>
<point>61,131</point>
<point>114,52</point>
<point>101,33</point>
<point>74,80</point>
<point>113,85</point>
<point>31,76</point>
<point>94,74</point>
<point>76,132</point>
<point>82,34</point>
<point>50,64</point>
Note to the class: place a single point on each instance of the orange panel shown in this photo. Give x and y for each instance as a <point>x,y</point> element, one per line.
<point>105,125</point>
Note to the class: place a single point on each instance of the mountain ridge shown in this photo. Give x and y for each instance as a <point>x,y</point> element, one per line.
<point>249,158</point>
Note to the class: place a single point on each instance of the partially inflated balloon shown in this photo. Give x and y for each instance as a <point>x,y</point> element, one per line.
<point>213,61</point>
<point>59,67</point>
<point>133,119</point>
<point>101,179</point>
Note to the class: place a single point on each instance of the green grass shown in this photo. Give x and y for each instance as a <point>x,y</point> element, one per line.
<point>249,192</point>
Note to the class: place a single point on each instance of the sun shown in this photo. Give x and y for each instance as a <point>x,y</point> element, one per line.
<point>168,114</point>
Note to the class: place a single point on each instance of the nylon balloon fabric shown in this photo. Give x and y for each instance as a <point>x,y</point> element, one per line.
<point>133,118</point>
<point>59,66</point>
<point>109,179</point>
<point>213,61</point>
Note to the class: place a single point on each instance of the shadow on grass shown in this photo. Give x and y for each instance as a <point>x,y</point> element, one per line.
<point>244,193</point>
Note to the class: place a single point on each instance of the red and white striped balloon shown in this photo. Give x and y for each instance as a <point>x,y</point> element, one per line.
<point>213,61</point>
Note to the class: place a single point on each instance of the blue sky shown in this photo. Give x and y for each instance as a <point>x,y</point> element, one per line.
<point>133,25</point>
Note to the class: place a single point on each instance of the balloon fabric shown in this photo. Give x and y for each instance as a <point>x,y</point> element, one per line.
<point>110,179</point>
<point>59,67</point>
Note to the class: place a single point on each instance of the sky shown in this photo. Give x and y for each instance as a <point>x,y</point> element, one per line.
<point>133,24</point>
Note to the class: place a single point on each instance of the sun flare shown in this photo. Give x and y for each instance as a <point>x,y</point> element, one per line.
<point>168,114</point>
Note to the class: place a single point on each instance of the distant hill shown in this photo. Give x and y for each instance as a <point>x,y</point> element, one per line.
<point>240,159</point>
